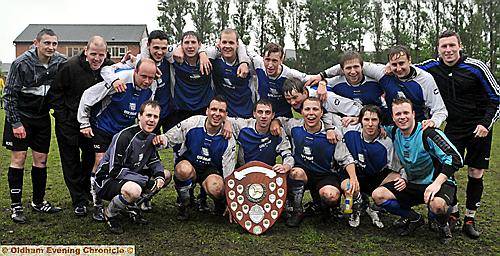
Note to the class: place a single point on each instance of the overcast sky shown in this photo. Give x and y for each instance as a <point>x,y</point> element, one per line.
<point>17,14</point>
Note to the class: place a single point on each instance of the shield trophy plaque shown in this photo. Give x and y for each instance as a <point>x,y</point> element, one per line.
<point>256,196</point>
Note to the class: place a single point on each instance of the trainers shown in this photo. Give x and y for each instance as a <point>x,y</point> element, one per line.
<point>80,210</point>
<point>113,222</point>
<point>445,233</point>
<point>295,219</point>
<point>354,219</point>
<point>146,206</point>
<point>374,217</point>
<point>18,214</point>
<point>469,228</point>
<point>411,226</point>
<point>98,214</point>
<point>182,213</point>
<point>45,207</point>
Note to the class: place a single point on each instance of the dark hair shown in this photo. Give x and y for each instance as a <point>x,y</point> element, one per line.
<point>190,33</point>
<point>372,109</point>
<point>401,100</point>
<point>45,31</point>
<point>449,33</point>
<point>151,103</point>
<point>265,102</point>
<point>230,31</point>
<point>397,51</point>
<point>157,34</point>
<point>350,55</point>
<point>219,98</point>
<point>273,47</point>
<point>292,84</point>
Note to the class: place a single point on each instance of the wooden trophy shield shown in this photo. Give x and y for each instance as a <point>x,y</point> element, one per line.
<point>256,196</point>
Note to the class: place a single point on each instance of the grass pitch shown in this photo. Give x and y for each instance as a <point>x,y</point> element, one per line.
<point>205,234</point>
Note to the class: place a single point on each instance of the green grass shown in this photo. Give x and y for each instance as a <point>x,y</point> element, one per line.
<point>206,234</point>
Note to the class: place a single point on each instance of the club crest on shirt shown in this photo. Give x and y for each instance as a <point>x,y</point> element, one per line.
<point>307,154</point>
<point>204,151</point>
<point>132,106</point>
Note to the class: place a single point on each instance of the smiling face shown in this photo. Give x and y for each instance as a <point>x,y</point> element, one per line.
<point>272,62</point>
<point>264,115</point>
<point>228,45</point>
<point>148,119</point>
<point>312,113</point>
<point>353,71</point>
<point>404,117</point>
<point>449,50</point>
<point>295,98</point>
<point>95,55</point>
<point>46,46</point>
<point>158,48</point>
<point>190,46</point>
<point>400,65</point>
<point>216,114</point>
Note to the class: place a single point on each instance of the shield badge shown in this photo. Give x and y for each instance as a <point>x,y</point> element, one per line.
<point>256,196</point>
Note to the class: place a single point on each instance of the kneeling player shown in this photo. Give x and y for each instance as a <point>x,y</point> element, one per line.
<point>374,157</point>
<point>316,160</point>
<point>205,155</point>
<point>131,167</point>
<point>430,161</point>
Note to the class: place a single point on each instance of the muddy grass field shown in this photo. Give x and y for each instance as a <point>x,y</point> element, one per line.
<point>206,234</point>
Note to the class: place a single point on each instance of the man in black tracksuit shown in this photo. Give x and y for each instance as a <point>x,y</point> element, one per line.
<point>471,95</point>
<point>27,120</point>
<point>74,77</point>
<point>131,168</point>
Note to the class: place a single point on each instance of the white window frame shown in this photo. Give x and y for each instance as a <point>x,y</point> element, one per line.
<point>117,51</point>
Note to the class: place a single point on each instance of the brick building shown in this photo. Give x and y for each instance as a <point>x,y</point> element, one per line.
<point>73,37</point>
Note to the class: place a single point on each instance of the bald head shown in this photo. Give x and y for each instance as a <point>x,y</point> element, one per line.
<point>95,52</point>
<point>97,41</point>
<point>145,73</point>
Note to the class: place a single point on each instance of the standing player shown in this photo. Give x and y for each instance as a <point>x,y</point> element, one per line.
<point>205,156</point>
<point>405,81</point>
<point>73,78</point>
<point>229,81</point>
<point>271,75</point>
<point>317,161</point>
<point>27,120</point>
<point>156,48</point>
<point>131,166</point>
<point>374,157</point>
<point>103,112</point>
<point>430,161</point>
<point>472,96</point>
<point>192,90</point>
<point>353,84</point>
